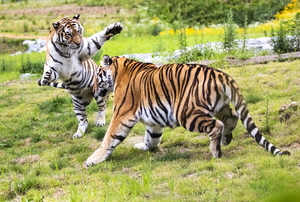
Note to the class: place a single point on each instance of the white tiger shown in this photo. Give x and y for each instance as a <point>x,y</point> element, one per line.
<point>68,58</point>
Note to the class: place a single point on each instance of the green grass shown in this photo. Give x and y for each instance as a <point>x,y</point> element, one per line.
<point>12,66</point>
<point>40,161</point>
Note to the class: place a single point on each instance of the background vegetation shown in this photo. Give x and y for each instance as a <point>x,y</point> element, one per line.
<point>40,162</point>
<point>207,12</point>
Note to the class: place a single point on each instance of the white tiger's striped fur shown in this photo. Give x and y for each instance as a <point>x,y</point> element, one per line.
<point>68,58</point>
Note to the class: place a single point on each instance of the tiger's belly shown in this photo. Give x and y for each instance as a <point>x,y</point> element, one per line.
<point>85,94</point>
<point>157,117</point>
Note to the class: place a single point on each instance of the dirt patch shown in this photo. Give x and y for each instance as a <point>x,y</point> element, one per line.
<point>254,60</point>
<point>60,192</point>
<point>26,159</point>
<point>8,83</point>
<point>68,10</point>
<point>294,146</point>
<point>22,37</point>
<point>132,140</point>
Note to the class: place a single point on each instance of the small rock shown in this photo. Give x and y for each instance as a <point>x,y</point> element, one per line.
<point>286,111</point>
<point>26,76</point>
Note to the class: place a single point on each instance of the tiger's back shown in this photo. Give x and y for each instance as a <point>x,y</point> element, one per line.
<point>172,94</point>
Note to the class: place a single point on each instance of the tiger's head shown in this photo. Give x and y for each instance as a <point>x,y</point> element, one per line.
<point>68,32</point>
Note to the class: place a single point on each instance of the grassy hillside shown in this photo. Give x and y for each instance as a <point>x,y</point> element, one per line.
<point>40,162</point>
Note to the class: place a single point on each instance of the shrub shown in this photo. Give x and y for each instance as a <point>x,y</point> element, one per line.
<point>230,34</point>
<point>287,37</point>
<point>279,40</point>
<point>28,66</point>
<point>214,11</point>
<point>154,30</point>
<point>294,26</point>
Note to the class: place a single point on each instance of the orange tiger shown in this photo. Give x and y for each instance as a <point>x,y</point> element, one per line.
<point>188,95</point>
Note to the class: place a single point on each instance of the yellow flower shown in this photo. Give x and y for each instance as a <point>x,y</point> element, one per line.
<point>155,21</point>
<point>289,11</point>
<point>190,30</point>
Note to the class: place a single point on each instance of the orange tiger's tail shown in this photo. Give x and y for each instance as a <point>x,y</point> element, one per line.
<point>243,113</point>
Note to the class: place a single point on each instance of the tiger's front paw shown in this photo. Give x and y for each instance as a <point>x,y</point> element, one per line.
<point>113,29</point>
<point>78,134</point>
<point>89,163</point>
<point>141,146</point>
<point>96,157</point>
<point>100,122</point>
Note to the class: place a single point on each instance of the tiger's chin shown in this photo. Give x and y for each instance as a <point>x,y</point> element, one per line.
<point>75,46</point>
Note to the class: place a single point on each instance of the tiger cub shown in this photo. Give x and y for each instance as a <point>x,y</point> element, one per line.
<point>68,58</point>
<point>188,95</point>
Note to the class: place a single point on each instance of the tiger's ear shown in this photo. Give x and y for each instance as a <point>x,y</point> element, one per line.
<point>107,61</point>
<point>55,25</point>
<point>76,17</point>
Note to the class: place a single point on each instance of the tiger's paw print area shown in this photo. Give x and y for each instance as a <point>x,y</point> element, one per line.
<point>113,29</point>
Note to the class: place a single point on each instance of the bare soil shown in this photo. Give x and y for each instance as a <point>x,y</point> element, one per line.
<point>67,10</point>
<point>26,159</point>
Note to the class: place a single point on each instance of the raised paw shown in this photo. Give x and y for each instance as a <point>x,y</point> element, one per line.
<point>141,146</point>
<point>40,82</point>
<point>43,82</point>
<point>113,29</point>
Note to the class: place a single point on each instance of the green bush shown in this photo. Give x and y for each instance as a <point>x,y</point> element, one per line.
<point>230,34</point>
<point>286,38</point>
<point>214,11</point>
<point>279,40</point>
<point>294,31</point>
<point>28,66</point>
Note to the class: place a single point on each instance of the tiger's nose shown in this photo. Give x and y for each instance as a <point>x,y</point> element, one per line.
<point>77,39</point>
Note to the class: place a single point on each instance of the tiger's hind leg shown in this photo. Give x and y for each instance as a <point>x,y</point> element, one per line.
<point>229,118</point>
<point>152,138</point>
<point>80,110</point>
<point>214,128</point>
<point>205,123</point>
